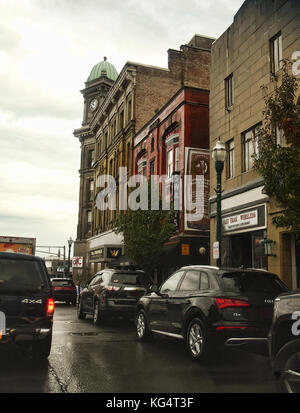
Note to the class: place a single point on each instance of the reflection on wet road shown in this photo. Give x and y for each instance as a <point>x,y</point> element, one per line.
<point>107,359</point>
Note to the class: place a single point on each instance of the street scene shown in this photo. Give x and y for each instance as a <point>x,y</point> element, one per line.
<point>150,198</point>
<point>90,359</point>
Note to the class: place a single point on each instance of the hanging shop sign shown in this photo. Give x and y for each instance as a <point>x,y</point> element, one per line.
<point>114,252</point>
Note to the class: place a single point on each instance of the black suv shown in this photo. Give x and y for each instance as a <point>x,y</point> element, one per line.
<point>64,290</point>
<point>112,292</point>
<point>284,341</point>
<point>207,306</point>
<point>26,303</point>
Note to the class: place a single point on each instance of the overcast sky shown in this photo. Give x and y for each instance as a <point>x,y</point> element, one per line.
<point>47,50</point>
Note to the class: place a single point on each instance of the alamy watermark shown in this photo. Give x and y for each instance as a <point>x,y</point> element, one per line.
<point>296,324</point>
<point>160,192</point>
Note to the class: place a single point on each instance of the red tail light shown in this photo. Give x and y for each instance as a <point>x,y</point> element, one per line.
<point>69,288</point>
<point>112,288</point>
<point>50,307</point>
<point>230,302</point>
<point>231,328</point>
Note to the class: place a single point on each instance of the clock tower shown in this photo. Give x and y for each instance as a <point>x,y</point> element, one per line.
<point>96,88</point>
<point>98,84</point>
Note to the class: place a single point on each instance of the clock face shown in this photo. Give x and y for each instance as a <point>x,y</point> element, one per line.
<point>93,104</point>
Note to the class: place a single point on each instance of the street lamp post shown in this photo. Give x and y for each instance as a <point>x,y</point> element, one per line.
<point>219,156</point>
<point>70,242</point>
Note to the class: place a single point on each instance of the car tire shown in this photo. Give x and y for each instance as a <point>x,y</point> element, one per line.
<point>289,380</point>
<point>142,330</point>
<point>80,314</point>
<point>41,349</point>
<point>97,316</point>
<point>196,340</point>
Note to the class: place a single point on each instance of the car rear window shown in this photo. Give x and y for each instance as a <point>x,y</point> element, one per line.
<point>259,282</point>
<point>131,278</point>
<point>62,282</point>
<point>20,275</point>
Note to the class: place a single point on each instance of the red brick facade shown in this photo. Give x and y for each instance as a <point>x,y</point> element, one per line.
<point>184,121</point>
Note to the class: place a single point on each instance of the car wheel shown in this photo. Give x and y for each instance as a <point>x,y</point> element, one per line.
<point>80,314</point>
<point>97,316</point>
<point>142,331</point>
<point>290,377</point>
<point>41,349</point>
<point>196,340</point>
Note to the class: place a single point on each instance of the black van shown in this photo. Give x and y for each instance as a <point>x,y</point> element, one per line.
<point>26,303</point>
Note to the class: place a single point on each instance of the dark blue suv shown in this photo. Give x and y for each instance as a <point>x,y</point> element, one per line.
<point>26,303</point>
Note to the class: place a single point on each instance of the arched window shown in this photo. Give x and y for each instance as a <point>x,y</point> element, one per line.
<point>141,163</point>
<point>172,152</point>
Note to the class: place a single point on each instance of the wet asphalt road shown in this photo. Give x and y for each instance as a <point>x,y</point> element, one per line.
<point>89,359</point>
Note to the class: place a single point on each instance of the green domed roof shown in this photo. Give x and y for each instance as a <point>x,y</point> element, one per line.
<point>103,66</point>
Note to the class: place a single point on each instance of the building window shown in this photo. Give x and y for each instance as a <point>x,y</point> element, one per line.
<point>170,163</point>
<point>152,166</point>
<point>128,158</point>
<point>142,166</point>
<point>122,119</point>
<point>129,110</point>
<point>152,144</point>
<point>90,158</point>
<point>229,91</point>
<point>89,221</point>
<point>91,190</point>
<point>276,53</point>
<point>176,169</point>
<point>250,146</point>
<point>172,150</point>
<point>230,159</point>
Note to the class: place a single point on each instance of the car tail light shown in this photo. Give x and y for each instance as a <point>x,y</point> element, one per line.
<point>230,302</point>
<point>231,328</point>
<point>112,288</point>
<point>69,288</point>
<point>50,307</point>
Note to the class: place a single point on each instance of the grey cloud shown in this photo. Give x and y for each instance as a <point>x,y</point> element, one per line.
<point>10,41</point>
<point>25,98</point>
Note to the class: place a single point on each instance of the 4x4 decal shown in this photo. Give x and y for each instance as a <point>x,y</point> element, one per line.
<point>31,301</point>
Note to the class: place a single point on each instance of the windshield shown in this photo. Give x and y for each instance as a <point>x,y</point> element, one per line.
<point>20,275</point>
<point>62,282</point>
<point>243,282</point>
<point>131,278</point>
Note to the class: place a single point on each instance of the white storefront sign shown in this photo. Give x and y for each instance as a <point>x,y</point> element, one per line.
<point>77,262</point>
<point>240,221</point>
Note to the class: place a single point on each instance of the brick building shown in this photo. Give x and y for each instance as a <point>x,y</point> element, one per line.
<point>115,108</point>
<point>247,56</point>
<point>176,141</point>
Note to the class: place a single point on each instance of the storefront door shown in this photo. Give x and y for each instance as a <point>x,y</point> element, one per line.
<point>245,249</point>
